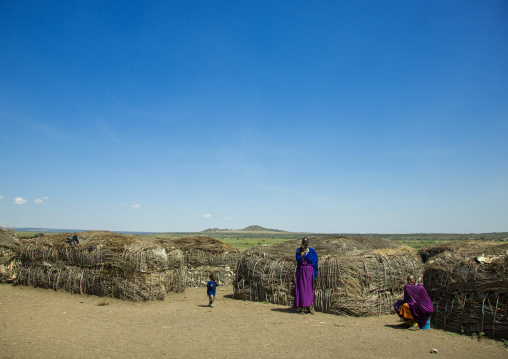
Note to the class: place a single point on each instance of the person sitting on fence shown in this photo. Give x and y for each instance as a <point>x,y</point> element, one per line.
<point>211,288</point>
<point>416,306</point>
<point>306,273</point>
<point>72,240</point>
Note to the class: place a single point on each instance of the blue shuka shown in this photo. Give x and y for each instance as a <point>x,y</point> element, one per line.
<point>310,257</point>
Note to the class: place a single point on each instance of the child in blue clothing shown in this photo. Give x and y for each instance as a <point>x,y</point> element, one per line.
<point>211,287</point>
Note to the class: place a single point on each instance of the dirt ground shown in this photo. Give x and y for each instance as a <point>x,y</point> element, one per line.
<point>39,323</point>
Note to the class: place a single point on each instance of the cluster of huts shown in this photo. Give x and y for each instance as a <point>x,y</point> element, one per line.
<point>114,265</point>
<point>358,276</point>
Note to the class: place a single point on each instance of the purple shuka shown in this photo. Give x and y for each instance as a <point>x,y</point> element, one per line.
<point>304,288</point>
<point>304,282</point>
<point>419,303</point>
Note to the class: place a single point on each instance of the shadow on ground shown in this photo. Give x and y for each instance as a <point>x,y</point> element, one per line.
<point>289,310</point>
<point>397,326</point>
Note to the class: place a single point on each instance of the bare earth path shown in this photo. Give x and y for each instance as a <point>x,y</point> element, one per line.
<point>38,323</point>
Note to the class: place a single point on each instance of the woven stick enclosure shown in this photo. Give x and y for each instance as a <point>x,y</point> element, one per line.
<point>104,264</point>
<point>9,256</point>
<point>468,285</point>
<point>204,256</point>
<point>357,276</point>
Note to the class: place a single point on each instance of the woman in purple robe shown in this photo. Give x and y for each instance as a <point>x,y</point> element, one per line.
<point>306,272</point>
<point>416,307</point>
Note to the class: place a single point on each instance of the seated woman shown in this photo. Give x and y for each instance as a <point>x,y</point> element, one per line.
<point>416,307</point>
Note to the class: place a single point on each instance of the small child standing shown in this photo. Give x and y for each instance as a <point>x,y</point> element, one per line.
<point>211,287</point>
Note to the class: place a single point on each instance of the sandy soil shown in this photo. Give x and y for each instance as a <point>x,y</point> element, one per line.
<point>38,323</point>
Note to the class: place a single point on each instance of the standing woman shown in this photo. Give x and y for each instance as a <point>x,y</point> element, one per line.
<point>306,272</point>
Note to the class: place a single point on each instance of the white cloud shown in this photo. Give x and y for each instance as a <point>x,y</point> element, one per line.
<point>134,205</point>
<point>19,200</point>
<point>38,201</point>
<point>228,218</point>
<point>207,215</point>
<point>45,198</point>
<point>1,197</point>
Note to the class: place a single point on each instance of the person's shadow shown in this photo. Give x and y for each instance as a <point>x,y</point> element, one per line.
<point>288,310</point>
<point>397,326</point>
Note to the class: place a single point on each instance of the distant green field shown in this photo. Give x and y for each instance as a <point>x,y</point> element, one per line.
<point>246,243</point>
<point>247,239</point>
<point>243,240</point>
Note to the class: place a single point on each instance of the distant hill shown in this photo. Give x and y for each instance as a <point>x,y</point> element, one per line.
<point>254,228</point>
<point>217,230</point>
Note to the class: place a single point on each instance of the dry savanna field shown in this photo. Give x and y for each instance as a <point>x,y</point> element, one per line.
<point>118,296</point>
<point>41,323</point>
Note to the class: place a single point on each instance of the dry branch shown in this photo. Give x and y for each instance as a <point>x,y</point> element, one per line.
<point>468,285</point>
<point>204,256</point>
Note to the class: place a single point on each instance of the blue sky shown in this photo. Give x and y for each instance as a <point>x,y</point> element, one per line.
<point>328,116</point>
